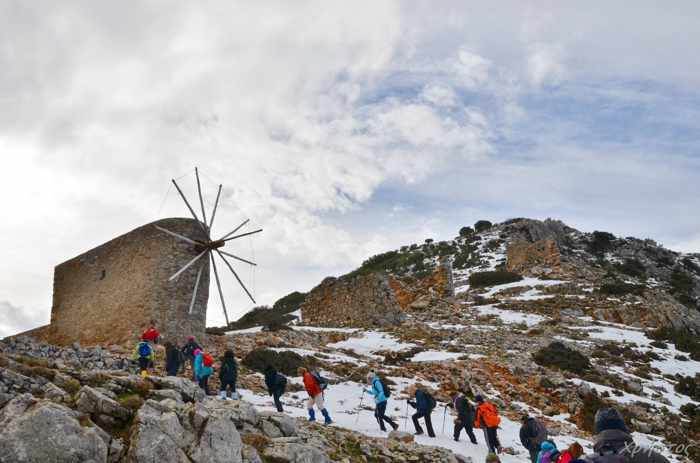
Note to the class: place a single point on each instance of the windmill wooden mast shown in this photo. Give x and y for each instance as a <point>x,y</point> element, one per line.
<point>210,247</point>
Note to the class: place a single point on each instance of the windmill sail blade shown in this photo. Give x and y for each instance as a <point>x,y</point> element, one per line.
<point>190,207</point>
<point>196,286</point>
<point>243,234</point>
<point>234,230</point>
<point>216,203</point>
<point>188,265</point>
<point>201,200</point>
<point>236,275</point>
<point>177,235</point>
<point>218,285</point>
<point>238,258</point>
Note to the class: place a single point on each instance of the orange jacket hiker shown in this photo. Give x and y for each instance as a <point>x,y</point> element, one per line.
<point>486,411</point>
<point>311,385</point>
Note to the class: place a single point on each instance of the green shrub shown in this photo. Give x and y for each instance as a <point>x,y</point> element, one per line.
<point>689,386</point>
<point>130,400</point>
<point>600,243</point>
<point>632,267</point>
<point>466,231</point>
<point>684,340</point>
<point>491,278</point>
<point>690,265</point>
<point>619,288</point>
<point>556,354</point>
<point>286,362</point>
<point>482,225</point>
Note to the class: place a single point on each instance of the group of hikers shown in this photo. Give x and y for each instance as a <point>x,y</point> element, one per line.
<point>613,441</point>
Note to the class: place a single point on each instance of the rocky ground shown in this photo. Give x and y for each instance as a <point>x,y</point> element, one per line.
<point>591,320</point>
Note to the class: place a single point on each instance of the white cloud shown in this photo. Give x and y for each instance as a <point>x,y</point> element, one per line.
<point>546,64</point>
<point>439,95</point>
<point>471,68</point>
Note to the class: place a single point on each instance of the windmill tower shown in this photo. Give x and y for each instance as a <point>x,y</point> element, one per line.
<point>207,248</point>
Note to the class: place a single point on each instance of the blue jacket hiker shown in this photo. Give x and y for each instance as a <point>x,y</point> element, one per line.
<point>203,369</point>
<point>381,394</point>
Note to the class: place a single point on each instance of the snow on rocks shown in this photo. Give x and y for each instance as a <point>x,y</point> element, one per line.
<point>370,342</point>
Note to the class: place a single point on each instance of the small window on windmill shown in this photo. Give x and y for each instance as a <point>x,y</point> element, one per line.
<point>103,274</point>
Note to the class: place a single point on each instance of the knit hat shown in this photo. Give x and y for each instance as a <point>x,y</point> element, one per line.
<point>479,398</point>
<point>609,418</point>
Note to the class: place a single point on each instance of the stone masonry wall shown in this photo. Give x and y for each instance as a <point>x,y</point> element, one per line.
<point>358,301</point>
<point>109,294</point>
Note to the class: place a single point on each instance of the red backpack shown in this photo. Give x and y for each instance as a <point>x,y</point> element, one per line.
<point>207,359</point>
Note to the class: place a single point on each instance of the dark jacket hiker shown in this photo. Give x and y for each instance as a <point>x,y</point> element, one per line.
<point>532,434</point>
<point>228,375</point>
<point>465,417</point>
<point>276,385</point>
<point>173,359</point>
<point>424,405</point>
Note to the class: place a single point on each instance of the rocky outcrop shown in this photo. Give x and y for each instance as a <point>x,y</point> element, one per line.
<point>359,301</point>
<point>35,430</point>
<point>539,258</point>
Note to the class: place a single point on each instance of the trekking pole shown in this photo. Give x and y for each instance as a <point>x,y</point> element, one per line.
<point>405,418</point>
<point>357,418</point>
<point>444,415</point>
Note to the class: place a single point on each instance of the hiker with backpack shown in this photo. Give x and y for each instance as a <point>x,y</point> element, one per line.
<point>152,334</point>
<point>465,417</point>
<point>145,355</point>
<point>315,384</point>
<point>173,359</point>
<point>613,443</point>
<point>228,376</point>
<point>203,369</point>
<point>381,392</point>
<point>276,385</point>
<point>532,434</point>
<point>548,452</point>
<point>188,351</point>
<point>424,405</point>
<point>487,419</point>
<point>572,453</point>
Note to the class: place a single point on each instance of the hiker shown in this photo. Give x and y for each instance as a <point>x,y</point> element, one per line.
<point>487,419</point>
<point>145,355</point>
<point>424,405</point>
<point>465,417</point>
<point>173,359</point>
<point>381,398</point>
<point>548,452</point>
<point>152,334</point>
<point>203,369</point>
<point>276,385</point>
<point>532,434</point>
<point>572,453</point>
<point>313,385</point>
<point>188,351</point>
<point>228,375</point>
<point>613,443</point>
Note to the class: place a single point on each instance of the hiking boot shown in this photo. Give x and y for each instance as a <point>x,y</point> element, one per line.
<point>418,433</point>
<point>394,426</point>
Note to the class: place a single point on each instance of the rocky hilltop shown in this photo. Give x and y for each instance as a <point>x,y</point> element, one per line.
<point>535,315</point>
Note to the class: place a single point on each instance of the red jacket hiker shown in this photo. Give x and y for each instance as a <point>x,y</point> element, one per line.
<point>151,335</point>
<point>311,385</point>
<point>486,411</point>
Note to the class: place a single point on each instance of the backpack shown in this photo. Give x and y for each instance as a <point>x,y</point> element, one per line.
<point>144,349</point>
<point>207,359</point>
<point>385,387</point>
<point>281,380</point>
<point>322,382</point>
<point>431,401</point>
<point>550,457</point>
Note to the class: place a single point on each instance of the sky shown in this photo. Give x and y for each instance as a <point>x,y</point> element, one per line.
<point>343,129</point>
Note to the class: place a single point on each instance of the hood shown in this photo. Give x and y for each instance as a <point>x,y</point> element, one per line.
<point>547,446</point>
<point>611,439</point>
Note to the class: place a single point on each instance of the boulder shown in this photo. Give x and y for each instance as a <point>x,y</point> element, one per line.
<point>26,435</point>
<point>401,436</point>
<point>90,400</point>
<point>158,436</point>
<point>289,452</point>
<point>188,389</point>
<point>219,442</point>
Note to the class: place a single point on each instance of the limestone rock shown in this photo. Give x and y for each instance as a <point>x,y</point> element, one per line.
<point>158,436</point>
<point>90,400</point>
<point>188,389</point>
<point>401,436</point>
<point>536,259</point>
<point>24,436</point>
<point>294,453</point>
<point>218,442</point>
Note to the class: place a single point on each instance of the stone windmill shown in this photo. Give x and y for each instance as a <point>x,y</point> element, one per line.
<point>208,248</point>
